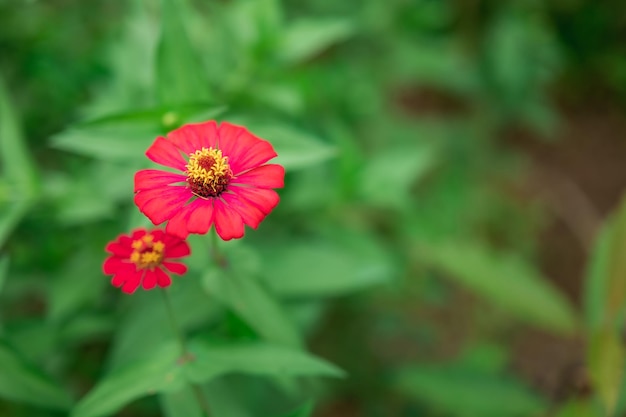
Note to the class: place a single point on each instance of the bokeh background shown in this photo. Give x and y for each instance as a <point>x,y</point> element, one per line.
<point>451,232</point>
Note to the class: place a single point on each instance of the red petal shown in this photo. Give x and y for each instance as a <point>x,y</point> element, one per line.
<point>138,233</point>
<point>165,153</point>
<point>118,250</point>
<point>163,280</point>
<point>250,214</point>
<point>149,280</point>
<point>192,137</point>
<point>228,222</point>
<point>177,251</point>
<point>114,265</point>
<point>175,267</point>
<point>244,150</point>
<point>265,176</point>
<point>162,204</point>
<point>264,199</point>
<point>118,280</point>
<point>132,282</point>
<point>201,216</point>
<point>147,179</point>
<point>177,226</point>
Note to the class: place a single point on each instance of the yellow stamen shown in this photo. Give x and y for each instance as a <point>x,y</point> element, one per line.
<point>147,253</point>
<point>208,172</point>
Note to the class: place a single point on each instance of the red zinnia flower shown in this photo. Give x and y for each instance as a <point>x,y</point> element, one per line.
<point>224,180</point>
<point>140,258</point>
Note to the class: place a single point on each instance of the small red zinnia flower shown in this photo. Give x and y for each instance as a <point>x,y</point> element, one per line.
<point>224,180</point>
<point>140,259</point>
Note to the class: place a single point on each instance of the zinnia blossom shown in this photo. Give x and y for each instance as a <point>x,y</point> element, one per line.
<point>224,180</point>
<point>144,258</point>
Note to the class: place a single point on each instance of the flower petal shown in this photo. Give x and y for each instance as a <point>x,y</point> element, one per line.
<point>132,282</point>
<point>163,280</point>
<point>114,265</point>
<point>201,216</point>
<point>264,199</point>
<point>195,136</point>
<point>177,225</point>
<point>250,214</point>
<point>175,267</point>
<point>118,250</point>
<point>244,150</point>
<point>165,153</point>
<point>178,250</point>
<point>228,222</point>
<point>147,179</point>
<point>162,204</point>
<point>265,176</point>
<point>149,280</point>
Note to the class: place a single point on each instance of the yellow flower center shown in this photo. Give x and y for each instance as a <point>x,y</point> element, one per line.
<point>208,172</point>
<point>147,253</point>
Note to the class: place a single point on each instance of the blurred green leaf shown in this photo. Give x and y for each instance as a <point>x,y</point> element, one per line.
<point>255,359</point>
<point>605,303</point>
<point>304,411</point>
<point>505,280</point>
<point>296,149</point>
<point>21,381</point>
<point>253,303</point>
<point>455,391</point>
<point>390,173</point>
<point>318,269</point>
<point>192,308</point>
<point>306,38</point>
<point>155,119</point>
<point>109,144</point>
<point>4,270</point>
<point>17,165</point>
<point>182,403</point>
<point>10,215</point>
<point>156,371</point>
<point>578,408</point>
<point>225,398</point>
<point>180,75</point>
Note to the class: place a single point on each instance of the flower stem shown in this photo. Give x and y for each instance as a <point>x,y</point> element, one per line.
<point>186,354</point>
<point>218,257</point>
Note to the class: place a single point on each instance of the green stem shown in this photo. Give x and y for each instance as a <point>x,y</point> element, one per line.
<point>218,257</point>
<point>186,354</point>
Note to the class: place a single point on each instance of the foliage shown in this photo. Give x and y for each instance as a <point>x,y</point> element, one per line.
<point>387,117</point>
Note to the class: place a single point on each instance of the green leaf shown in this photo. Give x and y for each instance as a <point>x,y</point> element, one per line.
<point>296,149</point>
<point>456,391</point>
<point>505,280</point>
<point>390,173</point>
<point>21,381</point>
<point>225,398</point>
<point>17,169</point>
<point>157,371</point>
<point>10,215</point>
<point>306,38</point>
<point>110,144</point>
<point>16,163</point>
<point>182,403</point>
<point>255,359</point>
<point>304,411</point>
<point>605,304</point>
<point>192,308</point>
<point>606,361</point>
<point>180,75</point>
<point>253,303</point>
<point>4,270</point>
<point>318,269</point>
<point>155,119</point>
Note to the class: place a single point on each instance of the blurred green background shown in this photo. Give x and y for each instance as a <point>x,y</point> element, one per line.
<point>451,233</point>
